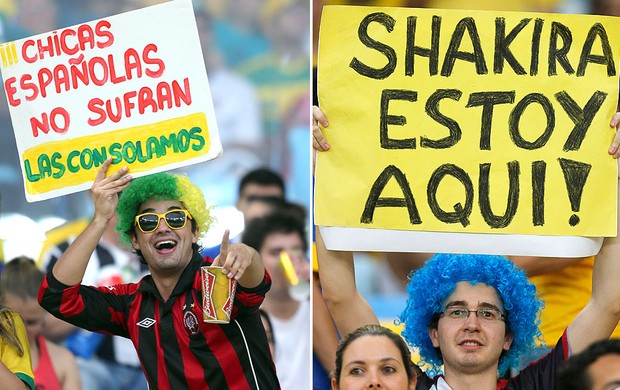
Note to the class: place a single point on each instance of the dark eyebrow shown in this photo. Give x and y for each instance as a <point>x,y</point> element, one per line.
<point>456,303</point>
<point>615,382</point>
<point>390,359</point>
<point>489,306</point>
<point>483,305</point>
<point>355,363</point>
<point>364,363</point>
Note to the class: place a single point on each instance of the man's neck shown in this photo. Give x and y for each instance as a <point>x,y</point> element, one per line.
<point>165,286</point>
<point>486,380</point>
<point>281,308</point>
<point>166,281</point>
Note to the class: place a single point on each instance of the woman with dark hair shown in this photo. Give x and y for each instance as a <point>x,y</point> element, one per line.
<point>373,356</point>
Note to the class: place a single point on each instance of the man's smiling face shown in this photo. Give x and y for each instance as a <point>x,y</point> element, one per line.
<point>165,249</point>
<point>471,345</point>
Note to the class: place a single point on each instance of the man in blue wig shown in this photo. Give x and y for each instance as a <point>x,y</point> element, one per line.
<point>472,316</point>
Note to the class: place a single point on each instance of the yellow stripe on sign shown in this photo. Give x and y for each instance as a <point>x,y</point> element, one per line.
<point>59,164</point>
<point>3,54</point>
<point>14,58</point>
<point>8,54</point>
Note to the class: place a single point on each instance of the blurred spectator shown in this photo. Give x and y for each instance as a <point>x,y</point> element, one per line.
<point>32,17</point>
<point>282,75</point>
<point>596,368</point>
<point>261,192</point>
<point>240,110</point>
<point>236,105</point>
<point>275,236</point>
<point>237,110</point>
<point>606,7</point>
<point>238,33</point>
<point>259,182</point>
<point>105,362</point>
<point>260,206</point>
<point>54,366</point>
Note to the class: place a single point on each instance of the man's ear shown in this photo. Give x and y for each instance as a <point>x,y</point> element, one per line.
<point>134,241</point>
<point>508,341</point>
<point>433,334</point>
<point>195,235</point>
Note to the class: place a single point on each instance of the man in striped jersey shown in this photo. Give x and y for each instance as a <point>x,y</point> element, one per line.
<point>161,216</point>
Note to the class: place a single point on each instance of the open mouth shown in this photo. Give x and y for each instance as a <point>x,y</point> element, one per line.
<point>470,344</point>
<point>165,245</point>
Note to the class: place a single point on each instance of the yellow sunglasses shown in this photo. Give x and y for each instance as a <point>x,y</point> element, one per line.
<point>175,219</point>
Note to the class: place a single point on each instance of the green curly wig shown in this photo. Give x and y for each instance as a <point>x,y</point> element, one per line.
<point>160,186</point>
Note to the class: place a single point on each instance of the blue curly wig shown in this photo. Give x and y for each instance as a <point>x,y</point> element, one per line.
<point>436,280</point>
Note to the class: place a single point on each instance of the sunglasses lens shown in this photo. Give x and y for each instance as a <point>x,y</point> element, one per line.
<point>175,219</point>
<point>148,222</point>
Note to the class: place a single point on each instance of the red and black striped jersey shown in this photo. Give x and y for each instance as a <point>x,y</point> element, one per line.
<point>176,348</point>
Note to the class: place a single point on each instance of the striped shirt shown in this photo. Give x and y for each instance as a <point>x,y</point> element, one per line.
<point>176,348</point>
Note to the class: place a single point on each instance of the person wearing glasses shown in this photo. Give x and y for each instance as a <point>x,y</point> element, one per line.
<point>475,315</point>
<point>161,216</point>
<point>472,316</point>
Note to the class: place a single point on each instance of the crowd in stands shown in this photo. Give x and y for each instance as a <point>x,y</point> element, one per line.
<point>257,59</point>
<point>257,55</point>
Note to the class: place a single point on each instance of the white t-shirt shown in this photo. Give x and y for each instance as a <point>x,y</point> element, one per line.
<point>293,349</point>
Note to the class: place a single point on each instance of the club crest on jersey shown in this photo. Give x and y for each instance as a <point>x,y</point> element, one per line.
<point>190,321</point>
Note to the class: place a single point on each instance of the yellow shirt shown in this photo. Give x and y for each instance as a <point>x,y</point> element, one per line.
<point>565,293</point>
<point>20,365</point>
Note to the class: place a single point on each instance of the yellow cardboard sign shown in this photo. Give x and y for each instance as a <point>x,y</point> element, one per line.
<point>55,165</point>
<point>477,121</point>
